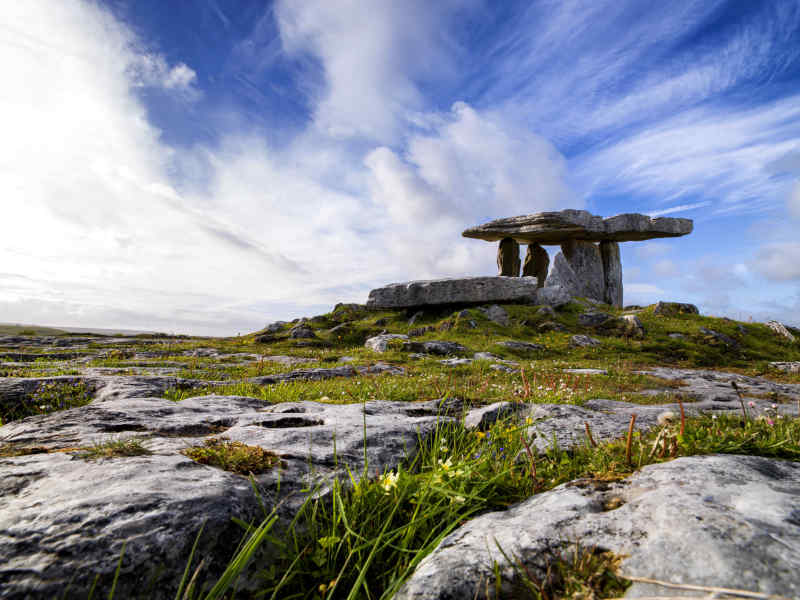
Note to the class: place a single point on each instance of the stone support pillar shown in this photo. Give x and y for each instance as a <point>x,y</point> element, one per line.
<point>584,259</point>
<point>537,262</point>
<point>612,272</point>
<point>508,262</point>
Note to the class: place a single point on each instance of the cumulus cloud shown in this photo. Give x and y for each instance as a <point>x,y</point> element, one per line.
<point>778,262</point>
<point>370,58</point>
<point>152,70</point>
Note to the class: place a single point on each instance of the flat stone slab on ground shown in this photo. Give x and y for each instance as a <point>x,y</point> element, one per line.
<point>718,520</point>
<point>565,225</point>
<point>468,290</point>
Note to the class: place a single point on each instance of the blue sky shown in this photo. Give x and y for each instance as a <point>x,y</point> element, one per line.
<point>210,166</point>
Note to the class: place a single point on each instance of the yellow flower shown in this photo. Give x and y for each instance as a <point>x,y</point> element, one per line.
<point>480,434</point>
<point>458,499</point>
<point>388,481</point>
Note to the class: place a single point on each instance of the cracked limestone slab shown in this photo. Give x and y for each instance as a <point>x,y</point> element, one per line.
<point>717,520</point>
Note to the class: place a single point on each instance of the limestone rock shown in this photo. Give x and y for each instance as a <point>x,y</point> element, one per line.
<point>516,346</point>
<point>612,273</point>
<point>380,343</point>
<point>496,314</point>
<point>546,312</point>
<point>587,264</point>
<point>583,341</point>
<point>508,262</point>
<point>302,332</point>
<point>64,518</point>
<point>416,317</point>
<point>780,329</point>
<point>558,227</point>
<point>275,327</point>
<point>671,309</point>
<point>554,295</point>
<point>676,336</point>
<point>715,338</point>
<point>434,347</point>
<point>537,263</point>
<point>418,331</point>
<point>551,326</point>
<point>786,367</point>
<point>632,326</point>
<point>470,290</point>
<point>561,275</point>
<point>593,319</point>
<point>717,520</point>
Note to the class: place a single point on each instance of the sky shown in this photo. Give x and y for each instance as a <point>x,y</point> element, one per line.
<point>208,167</point>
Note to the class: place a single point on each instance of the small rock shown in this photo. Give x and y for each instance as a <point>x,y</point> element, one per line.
<point>275,327</point>
<point>485,356</point>
<point>434,347</point>
<point>583,341</point>
<point>676,336</point>
<point>346,359</point>
<point>551,326</point>
<point>472,324</point>
<point>586,371</point>
<point>502,368</point>
<point>715,338</point>
<point>381,369</point>
<point>780,329</point>
<point>593,319</point>
<point>265,339</point>
<point>302,332</point>
<point>418,331</point>
<point>521,346</point>
<point>496,314</point>
<point>380,343</point>
<point>786,367</point>
<point>632,326</point>
<point>546,312</point>
<point>382,322</point>
<point>463,314</point>
<point>671,309</point>
<point>455,362</point>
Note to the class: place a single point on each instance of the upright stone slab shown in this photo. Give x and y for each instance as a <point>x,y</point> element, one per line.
<point>562,275</point>
<point>536,264</point>
<point>508,262</point>
<point>584,258</point>
<point>612,272</point>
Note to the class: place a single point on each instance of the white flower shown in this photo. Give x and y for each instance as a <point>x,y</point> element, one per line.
<point>666,417</point>
<point>388,481</point>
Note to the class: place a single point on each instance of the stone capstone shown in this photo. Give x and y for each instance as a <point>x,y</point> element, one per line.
<point>508,258</point>
<point>559,227</point>
<point>469,290</point>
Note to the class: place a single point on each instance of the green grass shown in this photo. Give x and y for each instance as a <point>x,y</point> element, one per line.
<point>48,397</point>
<point>365,538</point>
<point>114,449</point>
<point>233,456</point>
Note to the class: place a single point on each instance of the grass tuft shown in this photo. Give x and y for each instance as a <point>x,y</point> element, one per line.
<point>233,456</point>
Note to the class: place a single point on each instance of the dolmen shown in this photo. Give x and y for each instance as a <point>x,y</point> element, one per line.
<point>587,266</point>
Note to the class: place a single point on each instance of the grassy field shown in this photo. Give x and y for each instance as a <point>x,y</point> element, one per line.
<point>366,537</point>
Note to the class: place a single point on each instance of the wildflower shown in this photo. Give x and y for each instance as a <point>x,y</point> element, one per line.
<point>666,417</point>
<point>770,422</point>
<point>480,434</point>
<point>751,404</point>
<point>324,399</point>
<point>774,406</point>
<point>458,499</point>
<point>714,417</point>
<point>388,481</point>
<point>528,421</point>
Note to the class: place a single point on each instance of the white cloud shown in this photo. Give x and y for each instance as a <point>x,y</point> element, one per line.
<point>152,70</point>
<point>665,268</point>
<point>372,59</point>
<point>778,262</point>
<point>793,203</point>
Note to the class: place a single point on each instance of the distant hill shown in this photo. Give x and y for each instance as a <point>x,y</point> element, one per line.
<point>22,329</point>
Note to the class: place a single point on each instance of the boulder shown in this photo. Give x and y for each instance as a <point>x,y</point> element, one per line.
<point>439,347</point>
<point>380,343</point>
<point>508,258</point>
<point>672,309</point>
<point>496,314</point>
<point>559,227</point>
<point>583,341</point>
<point>302,332</point>
<point>593,319</point>
<point>719,520</point>
<point>787,367</point>
<point>516,346</point>
<point>781,330</point>
<point>419,331</point>
<point>552,326</point>
<point>546,312</point>
<point>632,326</point>
<point>612,273</point>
